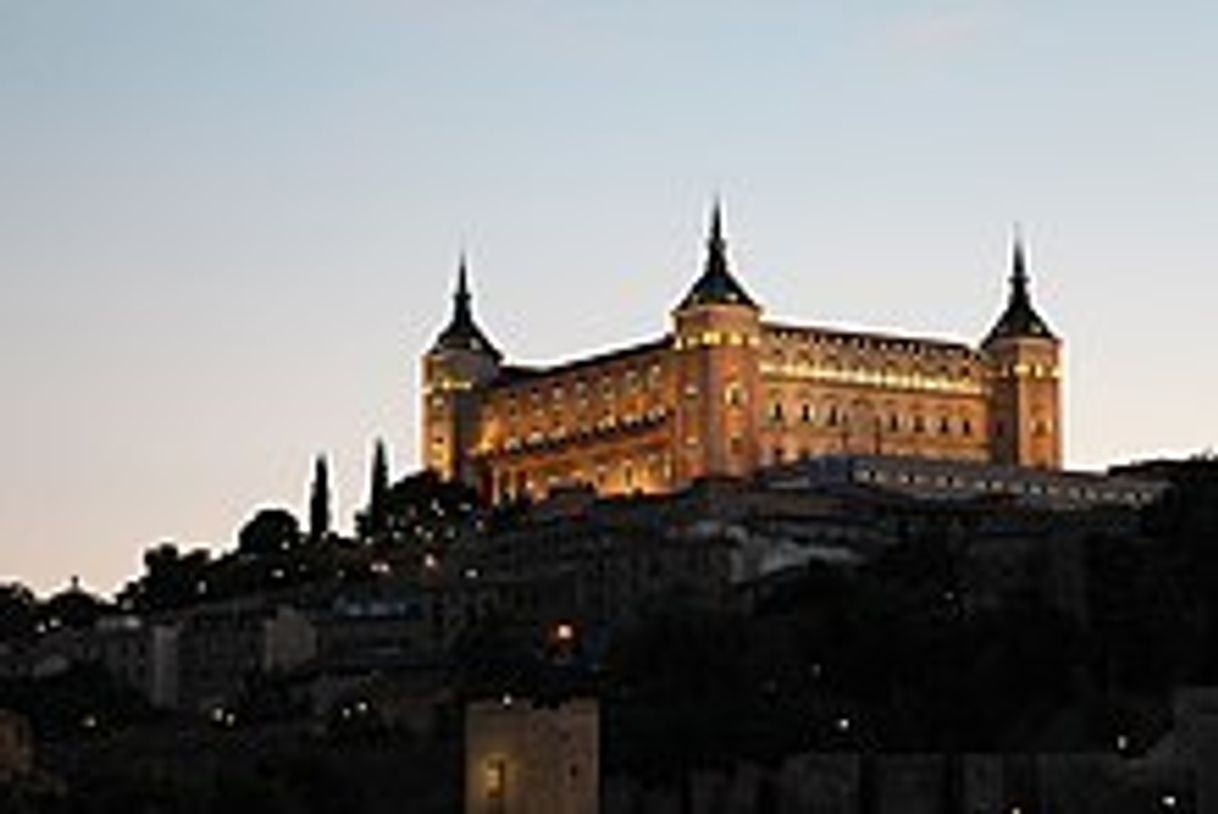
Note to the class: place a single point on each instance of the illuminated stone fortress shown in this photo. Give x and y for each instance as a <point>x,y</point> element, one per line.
<point>726,392</point>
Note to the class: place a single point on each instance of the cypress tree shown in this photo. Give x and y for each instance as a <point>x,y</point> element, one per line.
<point>378,491</point>
<point>319,501</point>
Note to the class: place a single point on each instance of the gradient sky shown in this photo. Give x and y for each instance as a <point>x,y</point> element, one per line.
<point>229,229</point>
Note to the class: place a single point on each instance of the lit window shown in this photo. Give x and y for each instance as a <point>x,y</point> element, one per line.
<point>496,779</point>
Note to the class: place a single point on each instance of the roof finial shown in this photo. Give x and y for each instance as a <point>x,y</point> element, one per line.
<point>1019,267</point>
<point>716,228</point>
<point>462,276</point>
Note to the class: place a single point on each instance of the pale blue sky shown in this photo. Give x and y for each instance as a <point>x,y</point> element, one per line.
<point>228,229</point>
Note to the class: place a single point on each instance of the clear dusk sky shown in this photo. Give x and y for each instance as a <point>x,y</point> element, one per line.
<point>229,229</point>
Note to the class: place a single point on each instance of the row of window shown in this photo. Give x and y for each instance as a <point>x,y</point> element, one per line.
<point>835,416</point>
<point>887,370</point>
<point>872,343</point>
<point>608,386</point>
<point>583,410</point>
<point>629,474</point>
<point>867,377</point>
<point>607,423</point>
<point>1027,370</point>
<point>997,486</point>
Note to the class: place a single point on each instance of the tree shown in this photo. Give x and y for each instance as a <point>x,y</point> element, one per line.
<point>420,509</point>
<point>271,531</point>
<point>170,580</point>
<point>18,611</point>
<point>319,502</point>
<point>378,491</point>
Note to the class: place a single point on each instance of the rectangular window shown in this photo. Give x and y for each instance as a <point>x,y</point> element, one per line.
<point>495,783</point>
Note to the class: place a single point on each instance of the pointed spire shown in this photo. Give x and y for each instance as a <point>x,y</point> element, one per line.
<point>716,285</point>
<point>1020,318</point>
<point>716,246</point>
<point>463,332</point>
<point>462,277</point>
<point>1019,267</point>
<point>461,297</point>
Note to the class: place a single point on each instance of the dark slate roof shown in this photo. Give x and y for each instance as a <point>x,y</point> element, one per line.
<point>462,332</point>
<point>716,286</point>
<point>1019,319</point>
<point>872,339</point>
<point>513,374</point>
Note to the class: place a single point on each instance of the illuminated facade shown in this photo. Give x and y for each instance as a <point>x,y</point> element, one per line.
<point>726,392</point>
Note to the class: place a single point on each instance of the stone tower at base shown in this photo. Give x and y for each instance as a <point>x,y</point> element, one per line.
<point>522,759</point>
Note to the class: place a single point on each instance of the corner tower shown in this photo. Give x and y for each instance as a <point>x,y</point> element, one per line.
<point>717,338</point>
<point>1024,369</point>
<point>460,363</point>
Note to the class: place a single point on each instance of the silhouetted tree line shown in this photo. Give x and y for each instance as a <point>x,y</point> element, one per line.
<point>418,514</point>
<point>406,519</point>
